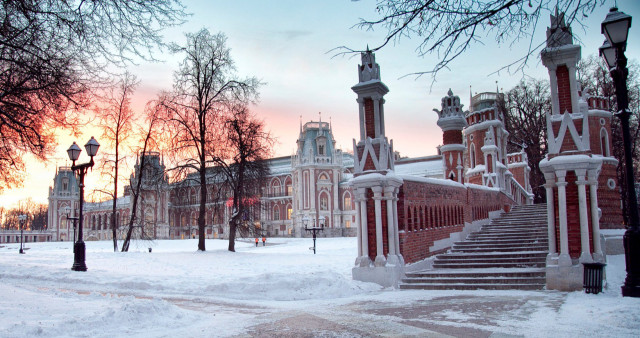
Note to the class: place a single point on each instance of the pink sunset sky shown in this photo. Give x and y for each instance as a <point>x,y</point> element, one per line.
<point>288,45</point>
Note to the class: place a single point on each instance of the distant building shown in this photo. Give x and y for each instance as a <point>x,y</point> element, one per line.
<point>311,185</point>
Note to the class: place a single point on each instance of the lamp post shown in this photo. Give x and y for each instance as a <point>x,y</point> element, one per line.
<point>67,211</point>
<point>615,28</point>
<point>21,220</point>
<point>81,169</point>
<point>314,230</point>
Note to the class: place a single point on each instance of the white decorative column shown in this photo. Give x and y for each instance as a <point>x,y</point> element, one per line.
<point>357,201</point>
<point>361,116</point>
<point>551,227</point>
<point>365,261</point>
<point>392,233</point>
<point>377,198</point>
<point>564,259</point>
<point>585,255</point>
<point>598,256</point>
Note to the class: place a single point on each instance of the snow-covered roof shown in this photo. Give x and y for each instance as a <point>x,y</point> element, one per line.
<point>429,166</point>
<point>108,204</point>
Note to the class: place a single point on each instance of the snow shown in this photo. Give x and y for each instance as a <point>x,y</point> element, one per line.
<point>274,290</point>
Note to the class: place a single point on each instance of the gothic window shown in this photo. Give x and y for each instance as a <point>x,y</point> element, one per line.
<point>276,213</point>
<point>289,211</point>
<point>289,186</point>
<point>275,186</point>
<point>604,142</point>
<point>321,150</point>
<point>324,202</point>
<point>65,184</point>
<point>347,201</point>
<point>472,156</point>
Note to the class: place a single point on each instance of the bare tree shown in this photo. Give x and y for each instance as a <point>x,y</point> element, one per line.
<point>451,27</point>
<point>204,84</point>
<point>246,169</point>
<point>53,53</point>
<point>36,215</point>
<point>526,106</point>
<point>116,121</point>
<point>148,142</point>
<point>596,80</point>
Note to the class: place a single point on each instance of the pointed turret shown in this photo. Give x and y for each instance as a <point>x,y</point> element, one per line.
<point>451,119</point>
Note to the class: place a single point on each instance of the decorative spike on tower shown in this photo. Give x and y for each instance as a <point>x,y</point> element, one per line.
<point>451,120</point>
<point>375,184</point>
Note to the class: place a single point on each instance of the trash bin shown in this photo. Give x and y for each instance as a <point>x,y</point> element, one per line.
<point>592,281</point>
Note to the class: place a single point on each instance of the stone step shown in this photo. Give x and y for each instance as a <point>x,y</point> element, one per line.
<point>485,236</point>
<point>507,254</point>
<point>507,242</point>
<point>493,272</point>
<point>477,280</point>
<point>489,260</point>
<point>461,286</point>
<point>492,255</point>
<point>504,249</point>
<point>520,224</point>
<point>467,265</point>
<point>511,229</point>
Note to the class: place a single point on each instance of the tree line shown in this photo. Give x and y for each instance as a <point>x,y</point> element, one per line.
<point>36,216</point>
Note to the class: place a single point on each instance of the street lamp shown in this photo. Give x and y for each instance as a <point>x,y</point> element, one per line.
<point>81,169</point>
<point>21,220</point>
<point>314,230</point>
<point>67,211</point>
<point>615,28</point>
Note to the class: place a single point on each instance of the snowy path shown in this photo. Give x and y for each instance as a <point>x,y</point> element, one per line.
<point>279,290</point>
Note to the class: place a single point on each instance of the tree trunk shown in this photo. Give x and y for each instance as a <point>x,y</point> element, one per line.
<point>232,235</point>
<point>115,198</point>
<point>203,201</point>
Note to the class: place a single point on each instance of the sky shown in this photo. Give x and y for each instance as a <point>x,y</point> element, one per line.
<point>289,45</point>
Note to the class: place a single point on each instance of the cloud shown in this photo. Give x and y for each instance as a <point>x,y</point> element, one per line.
<point>293,34</point>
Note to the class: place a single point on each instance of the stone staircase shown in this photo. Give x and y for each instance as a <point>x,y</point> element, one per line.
<point>509,253</point>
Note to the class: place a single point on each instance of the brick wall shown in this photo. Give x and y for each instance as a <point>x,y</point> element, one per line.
<point>452,137</point>
<point>369,120</point>
<point>429,212</point>
<point>564,89</point>
<point>609,199</point>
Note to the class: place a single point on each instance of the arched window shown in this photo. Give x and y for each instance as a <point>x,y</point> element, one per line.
<point>275,186</point>
<point>472,156</point>
<point>289,211</point>
<point>604,142</point>
<point>347,201</point>
<point>289,186</point>
<point>276,213</point>
<point>324,202</point>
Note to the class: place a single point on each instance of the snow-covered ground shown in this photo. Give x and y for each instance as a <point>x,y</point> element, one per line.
<point>278,290</point>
